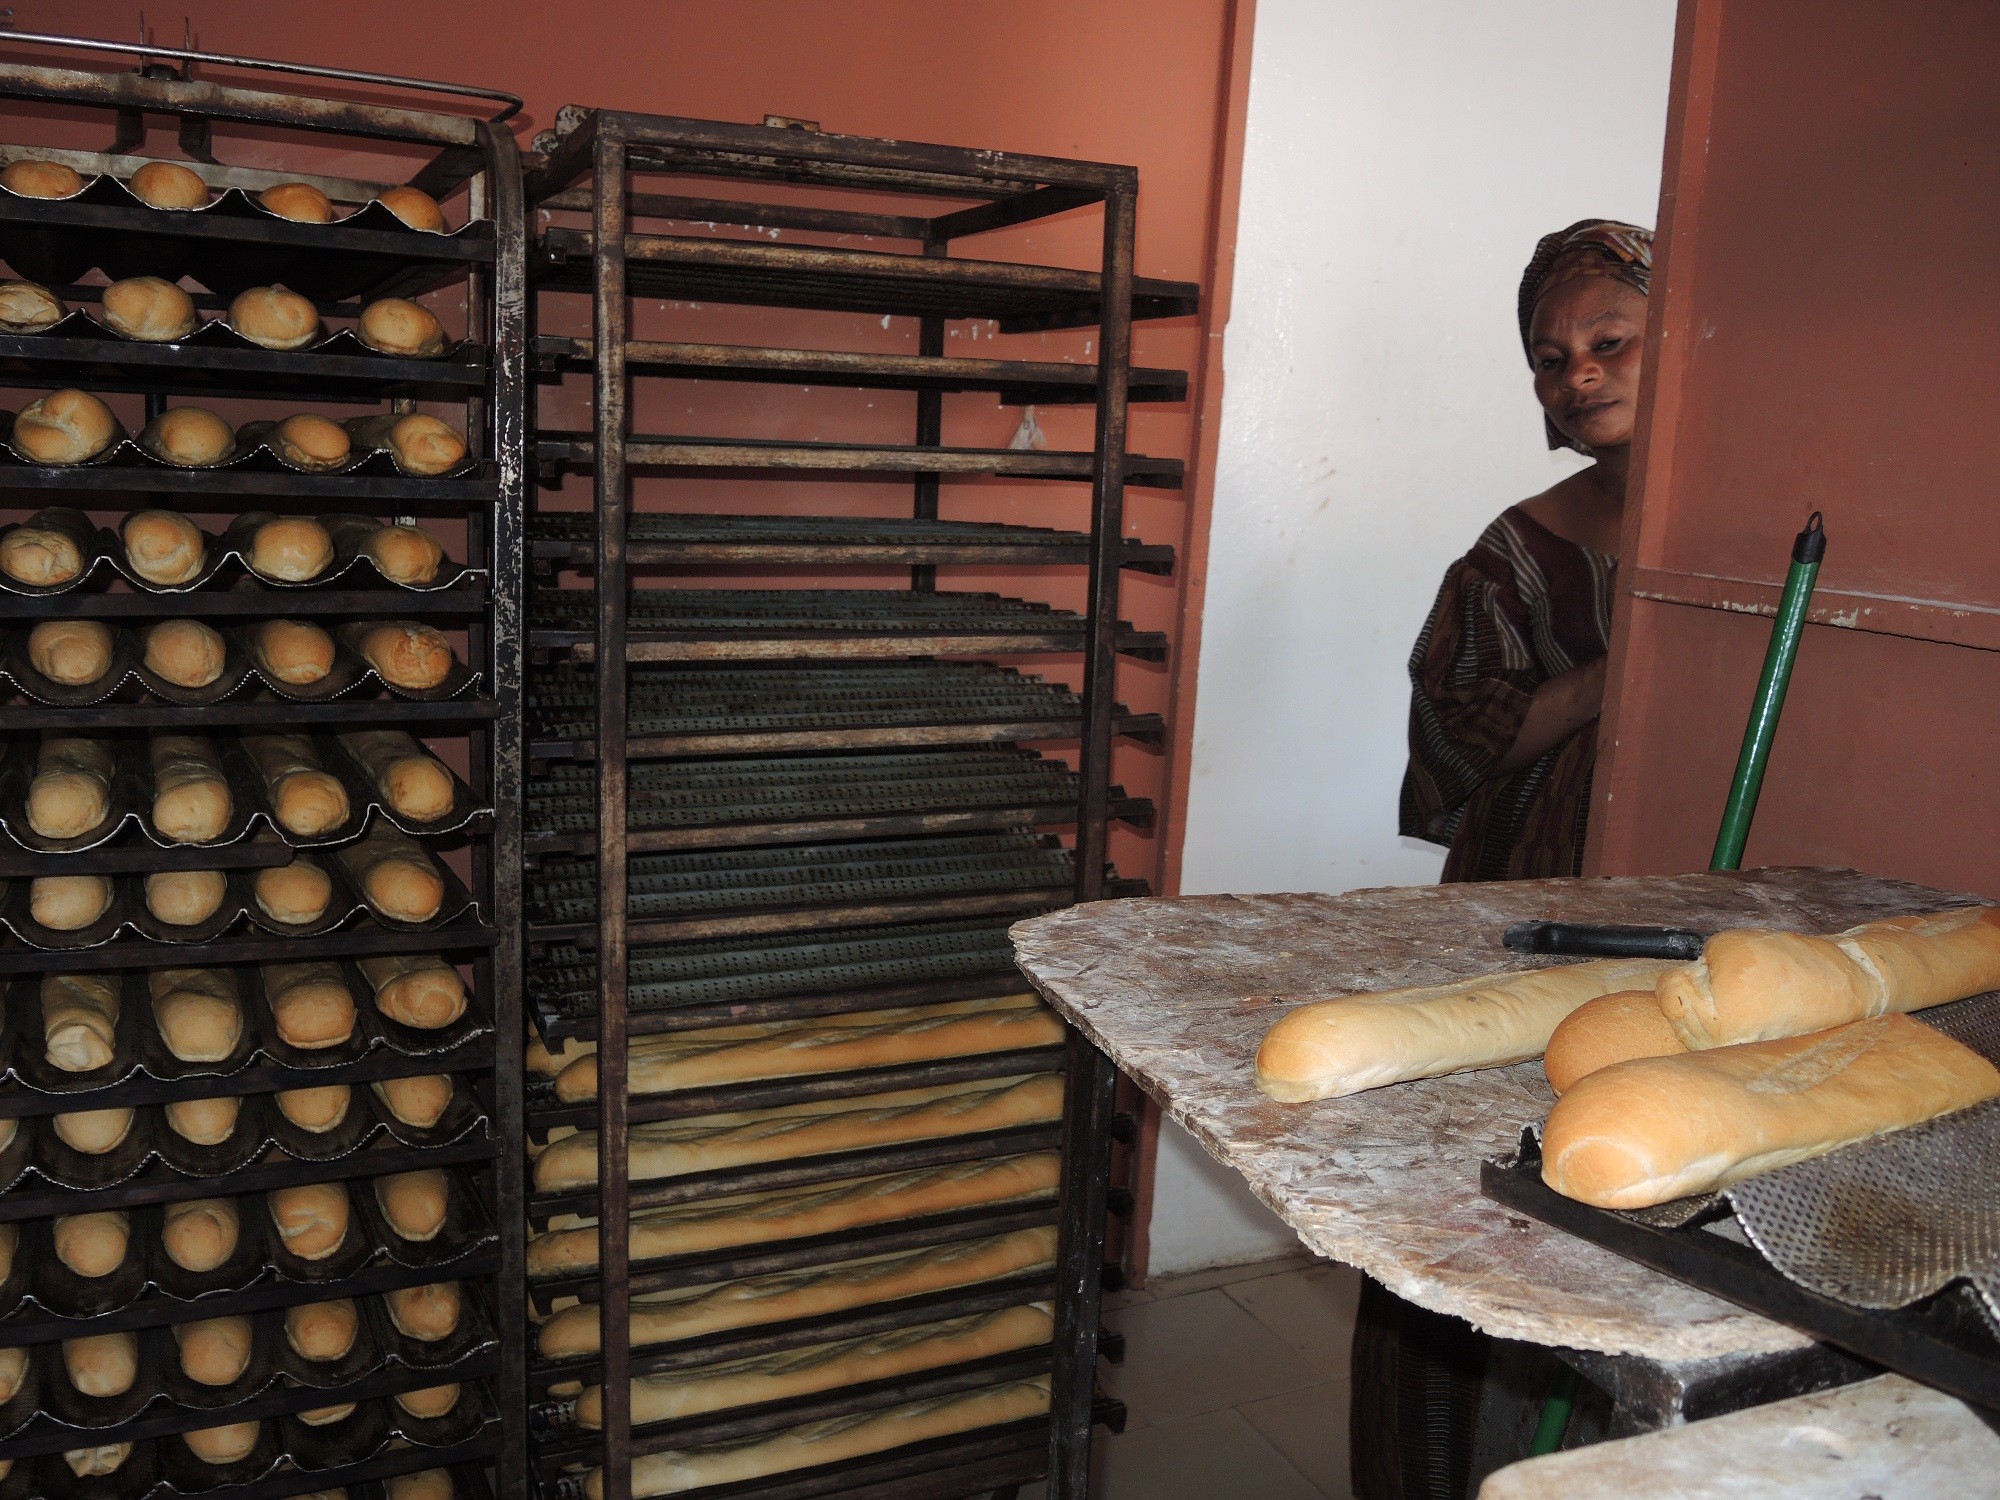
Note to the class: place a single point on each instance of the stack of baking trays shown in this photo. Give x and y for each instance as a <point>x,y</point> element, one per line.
<point>796,1120</point>
<point>250,1176</point>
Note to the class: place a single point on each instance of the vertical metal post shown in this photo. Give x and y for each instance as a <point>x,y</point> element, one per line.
<point>613,501</point>
<point>930,429</point>
<point>1088,1085</point>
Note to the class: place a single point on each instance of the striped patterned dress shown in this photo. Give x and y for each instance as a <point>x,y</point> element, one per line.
<point>1524,605</point>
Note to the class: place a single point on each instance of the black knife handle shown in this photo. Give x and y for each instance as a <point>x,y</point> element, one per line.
<point>1605,941</point>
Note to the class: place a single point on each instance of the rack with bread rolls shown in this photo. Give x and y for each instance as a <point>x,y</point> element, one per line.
<point>259,583</point>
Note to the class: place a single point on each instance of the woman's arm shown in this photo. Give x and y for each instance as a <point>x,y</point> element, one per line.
<point>1560,707</point>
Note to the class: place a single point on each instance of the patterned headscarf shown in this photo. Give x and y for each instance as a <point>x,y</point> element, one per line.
<point>1589,247</point>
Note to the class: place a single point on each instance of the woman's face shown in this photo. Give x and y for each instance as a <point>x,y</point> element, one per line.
<point>1584,339</point>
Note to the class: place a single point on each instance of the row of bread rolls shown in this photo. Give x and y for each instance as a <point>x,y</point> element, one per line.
<point>165,548</point>
<point>170,185</point>
<point>109,1458</point>
<point>405,654</point>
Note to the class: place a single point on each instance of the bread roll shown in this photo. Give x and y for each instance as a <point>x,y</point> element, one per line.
<point>289,549</point>
<point>405,554</point>
<point>313,443</point>
<point>149,310</point>
<point>322,1331</point>
<point>415,207</point>
<point>418,1101</point>
<point>13,1370</point>
<point>10,1241</point>
<point>307,799</point>
<point>107,1458</point>
<point>425,1484</point>
<point>412,781</point>
<point>71,792</point>
<point>168,184</point>
<point>1752,985</point>
<point>71,652</point>
<point>163,547</point>
<point>403,653</point>
<point>32,177</point>
<point>427,1314</point>
<point>79,1020</point>
<point>69,903</point>
<point>94,1131</point>
<point>422,445</point>
<point>311,1003</point>
<point>393,325</point>
<point>191,801</point>
<point>92,1245</point>
<point>200,1234</point>
<point>26,307</point>
<point>417,990</point>
<point>300,202</point>
<point>185,898</point>
<point>189,437</point>
<point>216,1351</point>
<point>1335,1047</point>
<point>395,874</point>
<point>291,652</point>
<point>413,1203</point>
<point>64,427</point>
<point>198,1011</point>
<point>274,318</point>
<point>295,894</point>
<point>797,1213</point>
<point>312,1219</point>
<point>326,1416</point>
<point>204,1122</point>
<point>103,1364</point>
<point>43,551</point>
<point>430,1403</point>
<point>231,1443</point>
<point>186,653</point>
<point>317,1110</point>
<point>1611,1029</point>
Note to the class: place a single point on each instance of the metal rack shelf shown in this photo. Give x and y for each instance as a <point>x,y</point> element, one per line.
<point>186,369</point>
<point>565,450</point>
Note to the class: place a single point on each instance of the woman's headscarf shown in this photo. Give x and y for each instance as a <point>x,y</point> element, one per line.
<point>1589,247</point>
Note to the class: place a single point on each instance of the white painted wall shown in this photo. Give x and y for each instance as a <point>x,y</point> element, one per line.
<point>1402,158</point>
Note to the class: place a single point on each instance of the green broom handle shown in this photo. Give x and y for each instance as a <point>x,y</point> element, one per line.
<point>1807,552</point>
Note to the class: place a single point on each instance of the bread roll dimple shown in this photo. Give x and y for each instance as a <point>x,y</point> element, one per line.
<point>310,442</point>
<point>404,653</point>
<point>413,1202</point>
<point>42,551</point>
<point>149,310</point>
<point>71,792</point>
<point>419,990</point>
<point>394,325</point>
<point>307,800</point>
<point>395,874</point>
<point>230,1443</point>
<point>294,894</point>
<point>13,1370</point>
<point>415,207</point>
<point>198,1011</point>
<point>431,1402</point>
<point>274,318</point>
<point>1611,1029</point>
<point>425,1313</point>
<point>185,898</point>
<point>419,1101</point>
<point>27,307</point>
<point>322,1331</point>
<point>312,1219</point>
<point>69,903</point>
<point>204,1122</point>
<point>94,1131</point>
<point>216,1351</point>
<point>311,1003</point>
<point>92,1245</point>
<point>188,437</point>
<point>33,177</point>
<point>162,546</point>
<point>317,1110</point>
<point>168,184</point>
<point>107,1458</point>
<point>291,652</point>
<point>102,1364</point>
<point>74,653</point>
<point>201,1233</point>
<point>289,549</point>
<point>191,798</point>
<point>300,202</point>
<point>412,781</point>
<point>186,653</point>
<point>80,1020</point>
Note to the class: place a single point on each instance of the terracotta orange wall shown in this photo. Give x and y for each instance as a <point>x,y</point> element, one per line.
<point>1143,82</point>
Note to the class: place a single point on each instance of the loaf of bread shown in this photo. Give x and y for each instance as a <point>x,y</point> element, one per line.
<point>427,1314</point>
<point>326,1416</point>
<point>426,1484</point>
<point>10,1241</point>
<point>405,554</point>
<point>412,781</point>
<point>288,549</point>
<point>13,1370</point>
<point>1330,1048</point>
<point>71,792</point>
<point>796,1213</point>
<point>92,1245</point>
<point>714,1143</point>
<point>1751,985</point>
<point>64,427</point>
<point>199,1013</point>
<point>419,990</point>
<point>94,1131</point>
<point>421,445</point>
<point>107,1458</point>
<point>162,546</point>
<point>186,653</point>
<point>294,894</point>
<point>826,1044</point>
<point>26,307</point>
<point>300,202</point>
<point>167,184</point>
<point>316,1110</point>
<point>291,652</point>
<point>307,799</point>
<point>312,1219</point>
<point>185,898</point>
<point>311,1003</point>
<point>32,177</point>
<point>835,1440</point>
<point>216,1351</point>
<point>69,903</point>
<point>188,437</point>
<point>1611,1029</point>
<point>322,1331</point>
<point>403,653</point>
<point>415,207</point>
<point>273,318</point>
<point>1658,1128</point>
<point>103,1364</point>
<point>431,1402</point>
<point>200,1234</point>
<point>149,310</point>
<point>306,441</point>
<point>393,325</point>
<point>45,550</point>
<point>230,1443</point>
<point>71,652</point>
<point>418,1101</point>
<point>191,801</point>
<point>413,1203</point>
<point>395,874</point>
<point>204,1122</point>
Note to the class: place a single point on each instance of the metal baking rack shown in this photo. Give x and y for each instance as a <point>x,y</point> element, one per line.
<point>464,159</point>
<point>752,804</point>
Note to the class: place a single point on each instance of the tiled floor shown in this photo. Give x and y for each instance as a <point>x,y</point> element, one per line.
<point>1236,1381</point>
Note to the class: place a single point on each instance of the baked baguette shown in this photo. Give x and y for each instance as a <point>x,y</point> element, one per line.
<point>215,1351</point>
<point>69,903</point>
<point>795,1213</point>
<point>1330,1048</point>
<point>293,894</point>
<point>64,427</point>
<point>322,1331</point>
<point>102,1364</point>
<point>288,549</point>
<point>664,1317</point>
<point>71,792</point>
<point>404,653</point>
<point>80,1020</point>
<point>675,1148</point>
<point>420,1101</point>
<point>185,898</point>
<point>163,547</point>
<point>71,652</point>
<point>44,550</point>
<point>829,1044</point>
<point>205,1122</point>
<point>307,799</point>
<point>26,307</point>
<point>395,874</point>
<point>94,1131</point>
<point>1611,1029</point>
<point>1752,985</point>
<point>425,1313</point>
<point>311,1003</point>
<point>312,1219</point>
<point>412,781</point>
<point>191,801</point>
<point>419,990</point>
<point>200,1234</point>
<point>1658,1128</point>
<point>148,310</point>
<point>186,653</point>
<point>92,1245</point>
<point>414,1203</point>
<point>291,651</point>
<point>198,1011</point>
